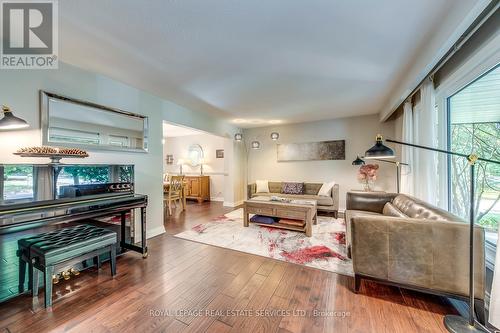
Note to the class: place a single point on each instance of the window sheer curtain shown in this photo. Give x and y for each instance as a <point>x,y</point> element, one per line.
<point>420,179</point>
<point>407,180</point>
<point>494,306</point>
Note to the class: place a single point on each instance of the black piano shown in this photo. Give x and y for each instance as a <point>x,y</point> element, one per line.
<point>36,198</point>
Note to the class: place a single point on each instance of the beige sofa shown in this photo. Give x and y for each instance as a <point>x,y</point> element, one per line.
<point>325,203</point>
<point>397,239</point>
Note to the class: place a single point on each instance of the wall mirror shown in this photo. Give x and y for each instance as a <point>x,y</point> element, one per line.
<point>195,155</point>
<point>74,123</point>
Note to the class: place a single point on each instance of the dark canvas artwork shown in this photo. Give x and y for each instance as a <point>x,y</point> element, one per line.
<point>312,151</point>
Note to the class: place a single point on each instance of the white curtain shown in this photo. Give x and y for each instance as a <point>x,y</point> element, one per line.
<point>407,185</point>
<point>494,308</point>
<point>425,133</point>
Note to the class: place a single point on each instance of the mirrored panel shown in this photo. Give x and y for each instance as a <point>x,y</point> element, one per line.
<point>73,123</point>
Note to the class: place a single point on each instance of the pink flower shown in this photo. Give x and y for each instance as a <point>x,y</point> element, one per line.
<point>368,172</point>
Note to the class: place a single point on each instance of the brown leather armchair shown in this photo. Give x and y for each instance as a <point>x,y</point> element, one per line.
<point>399,240</point>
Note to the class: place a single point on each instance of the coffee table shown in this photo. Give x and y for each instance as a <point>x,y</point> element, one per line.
<point>303,210</point>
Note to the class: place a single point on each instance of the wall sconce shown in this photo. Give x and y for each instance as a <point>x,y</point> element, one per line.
<point>238,137</point>
<point>9,121</point>
<point>255,145</point>
<point>275,136</point>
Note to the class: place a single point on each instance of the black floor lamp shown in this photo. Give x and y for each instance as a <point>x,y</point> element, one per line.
<point>453,323</point>
<point>359,161</point>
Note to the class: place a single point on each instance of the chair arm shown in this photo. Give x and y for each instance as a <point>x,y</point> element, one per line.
<point>335,197</point>
<point>251,190</point>
<point>368,201</point>
<point>422,253</point>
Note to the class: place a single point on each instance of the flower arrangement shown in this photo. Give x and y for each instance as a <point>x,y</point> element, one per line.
<point>367,174</point>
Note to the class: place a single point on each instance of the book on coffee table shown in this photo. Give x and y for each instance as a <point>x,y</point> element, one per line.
<point>292,222</point>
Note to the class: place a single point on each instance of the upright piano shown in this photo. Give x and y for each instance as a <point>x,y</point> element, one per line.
<point>36,198</point>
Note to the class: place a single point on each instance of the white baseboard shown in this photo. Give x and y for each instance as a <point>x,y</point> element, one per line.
<point>233,204</point>
<point>155,231</point>
<point>217,199</point>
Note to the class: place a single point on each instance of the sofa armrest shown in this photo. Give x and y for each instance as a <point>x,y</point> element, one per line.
<point>368,201</point>
<point>251,190</point>
<point>335,197</point>
<point>415,252</point>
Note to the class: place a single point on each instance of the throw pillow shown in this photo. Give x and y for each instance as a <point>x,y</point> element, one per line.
<point>292,188</point>
<point>326,189</point>
<point>262,186</point>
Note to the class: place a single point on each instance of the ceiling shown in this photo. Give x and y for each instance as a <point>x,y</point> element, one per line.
<point>257,62</point>
<point>172,131</point>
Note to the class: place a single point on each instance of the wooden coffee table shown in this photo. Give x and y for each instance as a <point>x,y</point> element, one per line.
<point>303,210</point>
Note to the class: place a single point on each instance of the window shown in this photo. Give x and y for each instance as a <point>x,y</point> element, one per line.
<point>474,127</point>
<point>17,182</point>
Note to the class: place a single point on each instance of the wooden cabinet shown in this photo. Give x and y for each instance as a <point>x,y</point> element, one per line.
<point>198,188</point>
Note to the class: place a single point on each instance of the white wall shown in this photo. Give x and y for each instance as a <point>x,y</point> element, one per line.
<point>213,167</point>
<point>20,90</point>
<point>359,134</point>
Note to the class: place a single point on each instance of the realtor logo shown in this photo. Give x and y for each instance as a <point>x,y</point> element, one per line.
<point>29,34</point>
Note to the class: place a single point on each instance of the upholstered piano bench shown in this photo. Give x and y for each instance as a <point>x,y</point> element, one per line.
<point>60,250</point>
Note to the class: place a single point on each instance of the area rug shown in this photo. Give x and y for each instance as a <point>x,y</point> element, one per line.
<point>324,250</point>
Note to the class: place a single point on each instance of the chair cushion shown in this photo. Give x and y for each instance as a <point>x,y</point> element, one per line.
<point>262,185</point>
<point>391,210</point>
<point>292,188</point>
<point>67,243</point>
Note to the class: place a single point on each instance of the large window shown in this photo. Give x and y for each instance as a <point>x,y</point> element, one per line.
<point>474,127</point>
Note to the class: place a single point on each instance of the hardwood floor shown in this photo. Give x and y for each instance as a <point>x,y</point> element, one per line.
<point>185,286</point>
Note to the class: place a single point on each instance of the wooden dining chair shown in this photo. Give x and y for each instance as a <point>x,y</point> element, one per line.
<point>174,192</point>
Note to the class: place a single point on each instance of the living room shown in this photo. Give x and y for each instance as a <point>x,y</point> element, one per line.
<point>221,166</point>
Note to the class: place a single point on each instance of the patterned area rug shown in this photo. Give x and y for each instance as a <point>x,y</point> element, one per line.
<point>324,250</point>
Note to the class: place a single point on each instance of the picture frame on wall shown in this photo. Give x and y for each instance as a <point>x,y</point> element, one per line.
<point>170,159</point>
<point>219,153</point>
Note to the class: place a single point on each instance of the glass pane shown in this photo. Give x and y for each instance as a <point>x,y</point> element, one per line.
<point>474,114</point>
<point>17,182</point>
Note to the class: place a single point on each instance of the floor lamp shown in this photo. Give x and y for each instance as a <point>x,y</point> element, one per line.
<point>453,323</point>
<point>359,161</point>
<point>255,145</point>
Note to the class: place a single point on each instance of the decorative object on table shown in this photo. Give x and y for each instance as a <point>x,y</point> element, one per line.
<point>312,151</point>
<point>77,123</point>
<point>170,159</point>
<point>180,163</point>
<point>359,161</point>
<point>325,249</point>
<point>195,155</point>
<point>55,154</point>
<point>11,122</point>
<point>219,153</point>
<point>494,306</point>
<point>367,175</point>
<point>279,199</point>
<point>453,323</point>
